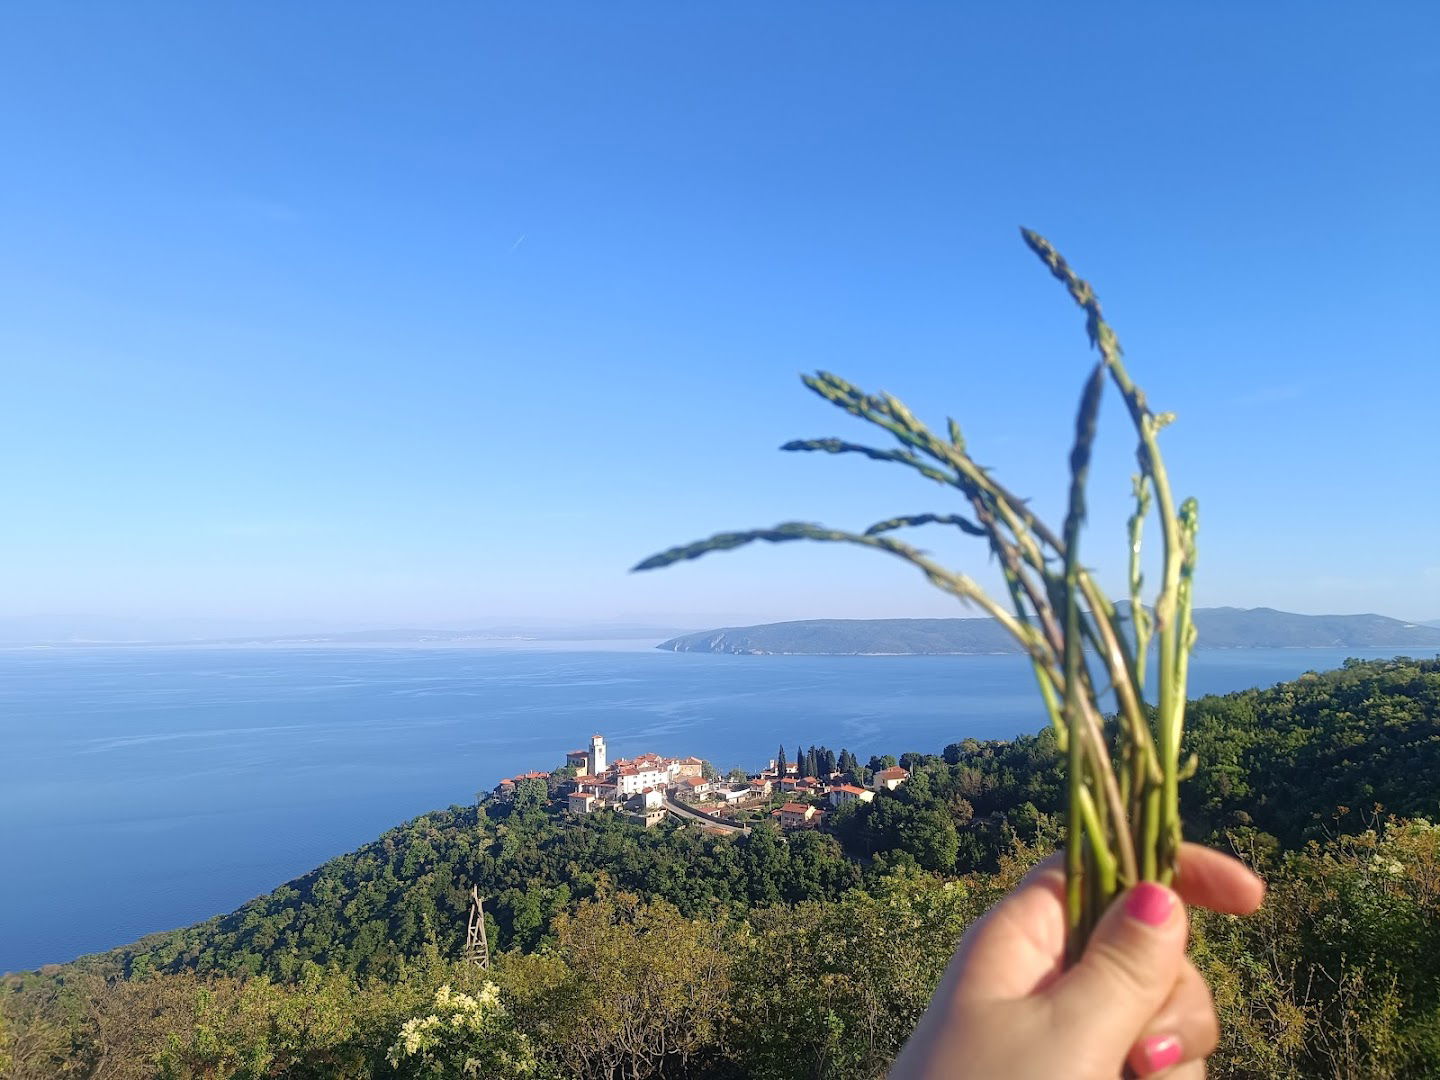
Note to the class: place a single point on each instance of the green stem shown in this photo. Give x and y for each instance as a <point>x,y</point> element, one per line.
<point>1075,905</point>
<point>1139,617</point>
<point>1077,868</point>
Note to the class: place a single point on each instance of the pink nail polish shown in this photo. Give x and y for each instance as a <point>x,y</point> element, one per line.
<point>1159,1052</point>
<point>1150,903</point>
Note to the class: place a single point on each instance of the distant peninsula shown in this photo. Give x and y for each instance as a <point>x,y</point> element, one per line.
<point>1219,628</point>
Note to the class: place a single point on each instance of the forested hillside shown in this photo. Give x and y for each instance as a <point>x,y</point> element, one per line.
<point>674,952</point>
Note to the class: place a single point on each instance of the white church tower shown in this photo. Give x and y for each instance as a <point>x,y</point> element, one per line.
<point>597,755</point>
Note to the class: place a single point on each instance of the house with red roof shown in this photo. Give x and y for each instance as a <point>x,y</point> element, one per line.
<point>636,776</point>
<point>687,767</point>
<point>795,815</point>
<point>890,778</point>
<point>581,802</point>
<point>841,794</point>
<point>694,788</point>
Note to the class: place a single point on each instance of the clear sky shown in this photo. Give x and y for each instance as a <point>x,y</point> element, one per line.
<point>442,312</point>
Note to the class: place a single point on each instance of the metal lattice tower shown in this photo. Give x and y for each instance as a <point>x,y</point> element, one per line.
<point>477,947</point>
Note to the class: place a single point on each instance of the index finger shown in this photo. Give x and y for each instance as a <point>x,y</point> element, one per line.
<point>1211,879</point>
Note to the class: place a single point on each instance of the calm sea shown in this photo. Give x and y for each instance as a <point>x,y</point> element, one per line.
<point>148,788</point>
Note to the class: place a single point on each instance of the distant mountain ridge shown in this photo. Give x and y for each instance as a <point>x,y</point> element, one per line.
<point>1218,628</point>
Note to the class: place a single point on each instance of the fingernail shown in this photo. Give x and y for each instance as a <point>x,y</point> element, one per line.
<point>1150,903</point>
<point>1159,1052</point>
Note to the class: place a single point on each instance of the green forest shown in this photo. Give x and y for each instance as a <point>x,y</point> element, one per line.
<point>673,952</point>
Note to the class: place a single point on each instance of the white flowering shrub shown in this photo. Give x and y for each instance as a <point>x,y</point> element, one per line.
<point>463,1036</point>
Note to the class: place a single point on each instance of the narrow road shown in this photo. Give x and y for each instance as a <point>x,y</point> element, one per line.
<point>679,809</point>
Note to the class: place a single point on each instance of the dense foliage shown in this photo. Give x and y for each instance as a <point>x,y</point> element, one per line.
<point>1323,754</point>
<point>409,891</point>
<point>1320,754</point>
<point>674,952</point>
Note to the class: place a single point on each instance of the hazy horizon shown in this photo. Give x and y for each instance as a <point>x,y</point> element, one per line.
<point>100,628</point>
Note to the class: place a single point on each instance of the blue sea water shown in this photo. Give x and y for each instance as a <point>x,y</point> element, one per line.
<point>149,788</point>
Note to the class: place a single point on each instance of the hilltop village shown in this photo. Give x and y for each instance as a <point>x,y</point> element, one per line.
<point>648,787</point>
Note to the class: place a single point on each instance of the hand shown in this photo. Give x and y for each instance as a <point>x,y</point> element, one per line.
<point>1007,1008</point>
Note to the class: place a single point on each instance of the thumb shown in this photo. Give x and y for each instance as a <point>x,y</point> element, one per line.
<point>1126,973</point>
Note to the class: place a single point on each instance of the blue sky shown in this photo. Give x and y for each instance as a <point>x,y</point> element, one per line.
<point>439,313</point>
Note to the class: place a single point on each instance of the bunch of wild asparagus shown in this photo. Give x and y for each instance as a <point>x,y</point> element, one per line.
<point>1122,790</point>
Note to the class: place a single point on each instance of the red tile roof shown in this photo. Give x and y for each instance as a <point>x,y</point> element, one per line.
<point>795,808</point>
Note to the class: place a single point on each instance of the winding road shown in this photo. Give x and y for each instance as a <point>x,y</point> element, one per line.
<point>689,813</point>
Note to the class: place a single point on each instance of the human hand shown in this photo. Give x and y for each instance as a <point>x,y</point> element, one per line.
<point>1008,1010</point>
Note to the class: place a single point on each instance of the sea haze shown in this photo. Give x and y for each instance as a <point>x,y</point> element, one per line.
<point>149,788</point>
